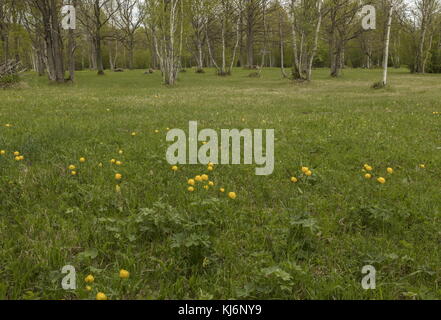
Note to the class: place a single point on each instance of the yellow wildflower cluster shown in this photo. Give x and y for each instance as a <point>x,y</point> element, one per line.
<point>204,179</point>
<point>368,173</point>
<point>306,172</point>
<point>90,279</point>
<point>16,154</point>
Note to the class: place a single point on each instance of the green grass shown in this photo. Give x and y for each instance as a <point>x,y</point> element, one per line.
<point>277,240</point>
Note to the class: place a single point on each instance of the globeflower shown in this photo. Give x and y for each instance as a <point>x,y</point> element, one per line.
<point>232,195</point>
<point>381,180</point>
<point>124,274</point>
<point>101,296</point>
<point>89,279</point>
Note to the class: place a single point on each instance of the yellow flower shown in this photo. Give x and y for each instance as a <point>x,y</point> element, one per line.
<point>368,168</point>
<point>368,176</point>
<point>72,167</point>
<point>118,189</point>
<point>198,178</point>
<point>20,158</point>
<point>134,134</point>
<point>17,158</point>
<point>211,183</point>
<point>118,176</point>
<point>113,161</point>
<point>2,152</point>
<point>124,274</point>
<point>74,173</point>
<point>175,168</point>
<point>190,189</point>
<point>89,279</point>
<point>118,163</point>
<point>422,166</point>
<point>82,160</point>
<point>232,195</point>
<point>305,169</point>
<point>308,173</point>
<point>294,180</point>
<point>100,165</point>
<point>101,296</point>
<point>381,180</point>
<point>16,153</point>
<point>191,182</point>
<point>206,187</point>
<point>156,131</point>
<point>204,177</point>
<point>211,164</point>
<point>210,168</point>
<point>120,152</point>
<point>222,190</point>
<point>88,288</point>
<point>390,170</point>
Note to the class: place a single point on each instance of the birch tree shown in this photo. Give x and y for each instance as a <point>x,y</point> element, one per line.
<point>306,20</point>
<point>163,20</point>
<point>425,13</point>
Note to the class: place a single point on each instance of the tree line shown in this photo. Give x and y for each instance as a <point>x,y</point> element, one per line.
<point>174,35</point>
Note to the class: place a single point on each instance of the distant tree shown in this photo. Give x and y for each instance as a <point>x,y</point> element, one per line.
<point>128,18</point>
<point>94,15</point>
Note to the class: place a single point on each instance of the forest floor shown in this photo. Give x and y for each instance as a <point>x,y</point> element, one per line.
<point>276,240</point>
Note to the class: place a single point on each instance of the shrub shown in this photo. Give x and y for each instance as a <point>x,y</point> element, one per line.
<point>9,80</point>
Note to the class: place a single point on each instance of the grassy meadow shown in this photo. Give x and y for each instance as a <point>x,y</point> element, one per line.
<point>277,239</point>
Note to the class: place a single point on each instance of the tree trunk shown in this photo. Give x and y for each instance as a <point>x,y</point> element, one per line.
<point>386,45</point>
<point>71,46</point>
<point>316,36</point>
<point>98,55</point>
